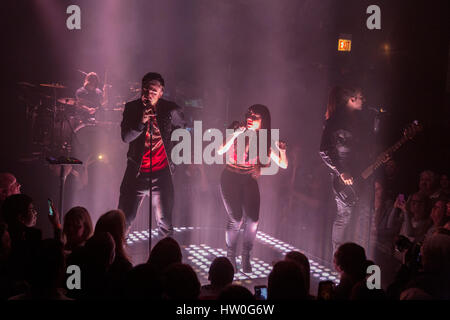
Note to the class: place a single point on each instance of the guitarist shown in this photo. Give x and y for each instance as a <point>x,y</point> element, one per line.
<point>345,145</point>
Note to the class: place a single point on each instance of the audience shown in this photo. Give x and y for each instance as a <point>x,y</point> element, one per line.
<point>180,282</point>
<point>113,222</point>
<point>94,259</point>
<point>164,253</point>
<point>438,216</point>
<point>351,264</point>
<point>360,290</point>
<point>77,228</point>
<point>427,183</point>
<point>45,272</point>
<point>19,214</point>
<point>221,274</point>
<point>143,282</point>
<point>448,209</point>
<point>433,282</point>
<point>32,268</point>
<point>444,186</point>
<point>6,283</point>
<point>303,262</point>
<point>234,292</point>
<point>412,220</point>
<point>286,282</point>
<point>8,186</point>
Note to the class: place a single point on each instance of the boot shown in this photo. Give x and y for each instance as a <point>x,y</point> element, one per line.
<point>246,265</point>
<point>231,255</point>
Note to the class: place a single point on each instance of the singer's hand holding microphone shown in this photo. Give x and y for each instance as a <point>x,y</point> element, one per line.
<point>148,113</point>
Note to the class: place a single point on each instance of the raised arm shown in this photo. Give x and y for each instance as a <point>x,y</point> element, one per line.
<point>230,140</point>
<point>280,156</point>
<point>132,124</point>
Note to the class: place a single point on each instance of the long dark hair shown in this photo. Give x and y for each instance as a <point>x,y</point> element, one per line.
<point>264,112</point>
<point>74,215</point>
<point>337,99</point>
<point>113,222</point>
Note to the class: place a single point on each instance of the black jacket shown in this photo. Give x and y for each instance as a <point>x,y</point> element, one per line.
<point>169,117</point>
<point>345,143</point>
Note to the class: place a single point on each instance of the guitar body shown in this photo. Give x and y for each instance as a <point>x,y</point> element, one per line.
<point>348,194</point>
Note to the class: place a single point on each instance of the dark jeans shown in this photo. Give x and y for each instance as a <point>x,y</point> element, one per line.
<point>354,223</point>
<point>240,195</point>
<point>134,189</point>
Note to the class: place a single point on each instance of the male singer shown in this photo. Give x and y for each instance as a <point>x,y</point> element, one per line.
<point>147,126</point>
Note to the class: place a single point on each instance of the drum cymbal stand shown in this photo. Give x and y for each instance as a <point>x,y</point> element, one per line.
<point>62,162</point>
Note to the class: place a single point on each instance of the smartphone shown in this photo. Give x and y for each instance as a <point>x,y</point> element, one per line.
<point>50,209</point>
<point>261,292</point>
<point>325,291</point>
<point>401,197</point>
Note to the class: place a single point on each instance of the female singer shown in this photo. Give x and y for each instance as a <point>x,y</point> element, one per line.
<point>239,187</point>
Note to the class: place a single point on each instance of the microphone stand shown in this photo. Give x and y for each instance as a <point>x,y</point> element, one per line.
<point>150,202</point>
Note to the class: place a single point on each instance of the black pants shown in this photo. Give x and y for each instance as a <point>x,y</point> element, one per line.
<point>240,195</point>
<point>133,190</point>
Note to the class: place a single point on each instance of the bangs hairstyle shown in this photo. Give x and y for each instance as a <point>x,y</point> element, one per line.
<point>78,214</point>
<point>337,99</point>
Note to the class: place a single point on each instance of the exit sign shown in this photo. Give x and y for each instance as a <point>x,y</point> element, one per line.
<point>344,45</point>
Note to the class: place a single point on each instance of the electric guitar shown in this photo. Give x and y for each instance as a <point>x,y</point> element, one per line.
<point>349,193</point>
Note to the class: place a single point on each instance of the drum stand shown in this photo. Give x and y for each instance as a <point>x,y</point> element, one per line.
<point>62,162</point>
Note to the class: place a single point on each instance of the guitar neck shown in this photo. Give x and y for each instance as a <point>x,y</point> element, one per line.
<point>381,157</point>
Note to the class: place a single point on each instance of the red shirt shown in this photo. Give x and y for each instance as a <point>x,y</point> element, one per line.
<point>159,158</point>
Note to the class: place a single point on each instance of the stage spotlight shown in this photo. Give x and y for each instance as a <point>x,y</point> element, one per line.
<point>386,48</point>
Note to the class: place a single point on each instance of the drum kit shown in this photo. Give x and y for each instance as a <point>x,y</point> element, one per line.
<point>57,124</point>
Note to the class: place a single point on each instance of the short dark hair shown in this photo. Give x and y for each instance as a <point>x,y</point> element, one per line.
<point>351,258</point>
<point>15,206</point>
<point>150,77</point>
<point>286,282</point>
<point>221,272</point>
<point>166,252</point>
<point>180,282</point>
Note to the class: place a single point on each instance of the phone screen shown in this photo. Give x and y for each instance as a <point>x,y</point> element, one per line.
<point>261,292</point>
<point>50,209</point>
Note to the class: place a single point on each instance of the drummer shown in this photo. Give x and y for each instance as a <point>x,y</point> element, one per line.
<point>89,97</point>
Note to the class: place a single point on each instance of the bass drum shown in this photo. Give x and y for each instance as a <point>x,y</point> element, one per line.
<point>98,142</point>
<point>104,157</point>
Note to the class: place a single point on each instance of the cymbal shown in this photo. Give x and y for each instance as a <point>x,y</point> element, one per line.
<point>114,109</point>
<point>52,85</point>
<point>26,84</point>
<point>68,101</point>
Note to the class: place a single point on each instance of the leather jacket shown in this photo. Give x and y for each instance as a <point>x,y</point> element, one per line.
<point>169,117</point>
<point>343,144</point>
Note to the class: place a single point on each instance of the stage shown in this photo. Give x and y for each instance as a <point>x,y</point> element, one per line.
<point>201,245</point>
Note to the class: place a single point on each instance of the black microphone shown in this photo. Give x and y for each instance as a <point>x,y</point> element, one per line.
<point>378,110</point>
<point>376,121</point>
